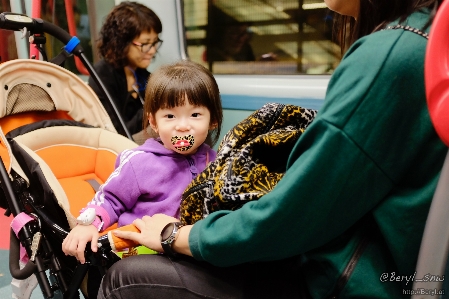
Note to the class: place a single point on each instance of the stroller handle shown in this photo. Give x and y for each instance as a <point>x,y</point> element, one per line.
<point>17,22</point>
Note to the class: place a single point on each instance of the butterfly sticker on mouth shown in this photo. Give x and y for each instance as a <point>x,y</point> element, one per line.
<point>183,143</point>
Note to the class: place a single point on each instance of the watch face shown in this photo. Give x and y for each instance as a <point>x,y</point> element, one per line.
<point>167,231</point>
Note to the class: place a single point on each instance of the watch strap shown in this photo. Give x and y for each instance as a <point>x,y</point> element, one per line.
<point>167,244</point>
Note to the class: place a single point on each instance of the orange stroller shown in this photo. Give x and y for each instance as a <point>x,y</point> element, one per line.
<point>57,145</point>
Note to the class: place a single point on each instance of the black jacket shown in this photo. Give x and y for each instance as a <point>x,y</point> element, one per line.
<point>130,109</point>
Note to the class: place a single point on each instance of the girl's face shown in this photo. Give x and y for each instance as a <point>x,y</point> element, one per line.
<point>344,7</point>
<point>182,129</point>
<point>137,58</point>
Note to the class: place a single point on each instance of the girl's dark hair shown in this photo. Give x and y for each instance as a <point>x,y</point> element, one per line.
<point>169,85</point>
<point>123,24</point>
<point>375,15</point>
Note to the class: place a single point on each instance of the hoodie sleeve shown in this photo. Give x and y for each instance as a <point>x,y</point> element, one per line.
<point>120,191</point>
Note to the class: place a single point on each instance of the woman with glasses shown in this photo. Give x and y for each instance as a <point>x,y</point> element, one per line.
<point>129,39</point>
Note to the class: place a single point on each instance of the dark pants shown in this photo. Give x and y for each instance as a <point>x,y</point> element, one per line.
<point>156,276</point>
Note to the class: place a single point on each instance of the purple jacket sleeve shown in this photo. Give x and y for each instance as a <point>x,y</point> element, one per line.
<point>120,191</point>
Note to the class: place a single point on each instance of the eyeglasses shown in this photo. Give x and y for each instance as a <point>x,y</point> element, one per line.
<point>145,48</point>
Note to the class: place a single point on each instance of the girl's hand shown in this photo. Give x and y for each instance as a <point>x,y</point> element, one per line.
<point>150,231</point>
<point>75,242</point>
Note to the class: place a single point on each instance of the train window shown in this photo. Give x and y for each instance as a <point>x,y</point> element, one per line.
<point>261,36</point>
<point>8,49</point>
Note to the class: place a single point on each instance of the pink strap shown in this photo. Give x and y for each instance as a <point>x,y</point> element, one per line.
<point>23,254</point>
<point>98,223</point>
<point>103,214</point>
<point>19,221</point>
<point>207,158</point>
<point>16,224</point>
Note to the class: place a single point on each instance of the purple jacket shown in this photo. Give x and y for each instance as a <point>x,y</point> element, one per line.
<point>147,180</point>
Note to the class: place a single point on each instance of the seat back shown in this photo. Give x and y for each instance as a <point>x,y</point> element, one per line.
<point>74,160</point>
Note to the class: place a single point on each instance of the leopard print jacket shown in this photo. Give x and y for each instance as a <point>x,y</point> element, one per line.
<point>250,160</point>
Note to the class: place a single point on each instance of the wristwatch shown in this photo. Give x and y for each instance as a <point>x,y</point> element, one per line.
<point>88,217</point>
<point>168,235</point>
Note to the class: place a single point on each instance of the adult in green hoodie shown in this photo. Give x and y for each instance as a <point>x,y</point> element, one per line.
<point>347,218</point>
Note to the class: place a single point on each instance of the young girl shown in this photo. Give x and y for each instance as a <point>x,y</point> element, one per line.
<point>183,106</point>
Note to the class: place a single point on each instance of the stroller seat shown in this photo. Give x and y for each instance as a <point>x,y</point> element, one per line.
<point>58,145</point>
<point>75,160</point>
<point>61,163</point>
<point>35,91</point>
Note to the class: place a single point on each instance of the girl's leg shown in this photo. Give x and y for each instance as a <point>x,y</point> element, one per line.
<point>156,276</point>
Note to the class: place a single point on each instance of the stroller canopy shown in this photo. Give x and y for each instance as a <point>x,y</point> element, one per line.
<point>29,86</point>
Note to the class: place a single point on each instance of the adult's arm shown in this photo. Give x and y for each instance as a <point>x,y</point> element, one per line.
<point>150,228</point>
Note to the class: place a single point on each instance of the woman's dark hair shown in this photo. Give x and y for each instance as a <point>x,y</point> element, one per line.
<point>123,24</point>
<point>375,15</point>
<point>170,84</point>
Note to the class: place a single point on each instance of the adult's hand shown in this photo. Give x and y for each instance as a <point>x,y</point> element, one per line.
<point>150,228</point>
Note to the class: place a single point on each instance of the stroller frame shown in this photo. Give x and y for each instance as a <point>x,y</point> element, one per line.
<point>21,198</point>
